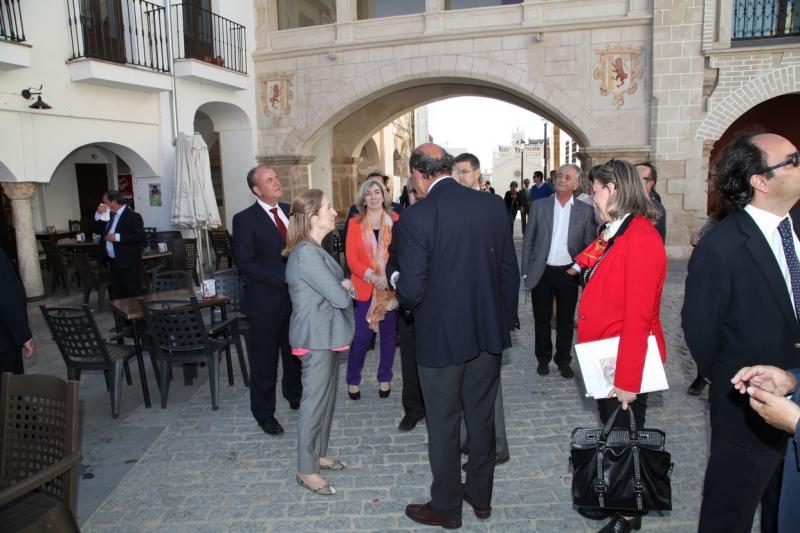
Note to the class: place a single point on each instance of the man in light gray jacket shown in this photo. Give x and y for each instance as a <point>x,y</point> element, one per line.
<point>558,229</point>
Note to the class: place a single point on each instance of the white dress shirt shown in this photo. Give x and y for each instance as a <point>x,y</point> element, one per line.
<point>559,253</point>
<point>112,231</point>
<point>281,214</point>
<point>768,224</point>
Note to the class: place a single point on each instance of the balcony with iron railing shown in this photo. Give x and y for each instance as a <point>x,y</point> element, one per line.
<point>762,22</point>
<point>206,36</point>
<point>14,51</point>
<point>108,37</point>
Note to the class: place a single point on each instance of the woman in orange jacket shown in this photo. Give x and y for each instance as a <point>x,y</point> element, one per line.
<point>368,237</point>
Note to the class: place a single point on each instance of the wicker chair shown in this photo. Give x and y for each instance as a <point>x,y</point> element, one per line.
<point>83,348</point>
<point>184,256</point>
<point>74,226</point>
<point>57,266</point>
<point>228,283</point>
<point>170,280</point>
<point>38,453</point>
<point>179,336</point>
<point>92,278</point>
<point>222,242</point>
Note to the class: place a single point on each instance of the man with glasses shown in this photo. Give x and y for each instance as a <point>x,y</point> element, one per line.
<point>741,309</point>
<point>649,174</point>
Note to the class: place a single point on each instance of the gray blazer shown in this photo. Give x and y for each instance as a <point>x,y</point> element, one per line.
<point>539,233</point>
<point>322,310</point>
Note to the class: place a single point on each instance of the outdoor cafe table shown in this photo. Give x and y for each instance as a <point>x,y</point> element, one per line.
<point>59,234</point>
<point>78,246</point>
<point>129,309</point>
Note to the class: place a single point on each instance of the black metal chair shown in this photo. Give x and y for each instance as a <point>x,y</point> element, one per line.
<point>179,336</point>
<point>78,338</point>
<point>57,266</point>
<point>190,258</point>
<point>170,280</point>
<point>38,453</point>
<point>166,236</point>
<point>74,226</point>
<point>92,278</point>
<point>228,283</point>
<point>222,242</point>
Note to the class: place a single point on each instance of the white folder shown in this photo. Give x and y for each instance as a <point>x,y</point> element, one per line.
<point>598,362</point>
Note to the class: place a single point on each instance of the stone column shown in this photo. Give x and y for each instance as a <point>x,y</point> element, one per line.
<point>556,141</point>
<point>346,14</point>
<point>21,195</point>
<point>344,183</point>
<point>292,170</point>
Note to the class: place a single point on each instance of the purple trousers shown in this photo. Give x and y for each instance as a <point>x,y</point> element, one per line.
<point>361,339</point>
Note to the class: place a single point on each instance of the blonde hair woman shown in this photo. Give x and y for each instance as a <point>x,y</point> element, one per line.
<point>367,249</point>
<point>321,325</point>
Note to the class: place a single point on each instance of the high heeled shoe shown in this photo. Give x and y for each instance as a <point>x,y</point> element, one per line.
<point>384,393</point>
<point>354,395</point>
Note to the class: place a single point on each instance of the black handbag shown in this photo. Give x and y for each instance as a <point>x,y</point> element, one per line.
<point>621,469</point>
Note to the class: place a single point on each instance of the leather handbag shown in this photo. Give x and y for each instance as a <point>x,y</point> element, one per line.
<point>621,469</point>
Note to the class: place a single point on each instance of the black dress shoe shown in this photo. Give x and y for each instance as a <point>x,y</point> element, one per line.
<point>593,514</point>
<point>566,372</point>
<point>409,422</point>
<point>619,524</point>
<point>480,512</point>
<point>271,426</point>
<point>354,395</point>
<point>543,369</point>
<point>697,386</point>
<point>423,514</point>
<point>384,393</point>
<point>294,406</point>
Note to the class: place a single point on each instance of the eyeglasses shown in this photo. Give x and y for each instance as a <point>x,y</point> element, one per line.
<point>793,160</point>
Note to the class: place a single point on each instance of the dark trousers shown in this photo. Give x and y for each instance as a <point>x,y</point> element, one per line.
<point>523,215</point>
<point>266,337</point>
<point>471,387</point>
<point>737,480</point>
<point>125,282</point>
<point>412,394</point>
<point>11,361</point>
<point>555,283</point>
<point>512,216</point>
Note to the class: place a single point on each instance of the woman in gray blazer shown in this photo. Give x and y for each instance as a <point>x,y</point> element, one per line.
<point>321,325</point>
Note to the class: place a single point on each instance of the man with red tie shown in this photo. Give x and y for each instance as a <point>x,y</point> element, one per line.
<point>259,235</point>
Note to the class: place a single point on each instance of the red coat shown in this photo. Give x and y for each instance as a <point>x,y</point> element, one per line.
<point>358,260</point>
<point>623,299</point>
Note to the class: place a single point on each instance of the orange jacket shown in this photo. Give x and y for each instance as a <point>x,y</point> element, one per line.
<point>358,261</point>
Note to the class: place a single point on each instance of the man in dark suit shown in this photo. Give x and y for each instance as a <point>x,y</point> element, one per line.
<point>15,335</point>
<point>649,174</point>
<point>559,228</point>
<point>259,236</point>
<point>457,267</point>
<point>121,241</point>
<point>741,309</point>
<point>524,199</point>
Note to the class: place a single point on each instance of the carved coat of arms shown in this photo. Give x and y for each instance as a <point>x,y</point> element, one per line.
<point>618,69</point>
<point>276,96</point>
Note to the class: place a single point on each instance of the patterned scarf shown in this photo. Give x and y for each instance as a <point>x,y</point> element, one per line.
<point>383,301</point>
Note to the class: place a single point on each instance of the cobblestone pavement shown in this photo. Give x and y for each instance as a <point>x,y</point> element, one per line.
<point>216,471</point>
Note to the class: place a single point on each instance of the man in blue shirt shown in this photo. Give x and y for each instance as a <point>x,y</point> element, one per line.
<point>540,188</point>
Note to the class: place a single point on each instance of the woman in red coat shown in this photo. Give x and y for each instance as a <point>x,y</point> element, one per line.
<point>624,270</point>
<point>367,248</point>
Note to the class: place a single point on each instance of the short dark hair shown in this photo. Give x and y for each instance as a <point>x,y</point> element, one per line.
<point>115,196</point>
<point>251,177</point>
<point>469,158</point>
<point>374,175</point>
<point>653,170</point>
<point>735,165</point>
<point>428,165</point>
<point>538,174</point>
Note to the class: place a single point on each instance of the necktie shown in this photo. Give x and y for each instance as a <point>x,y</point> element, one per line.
<point>110,222</point>
<point>282,227</point>
<point>785,229</point>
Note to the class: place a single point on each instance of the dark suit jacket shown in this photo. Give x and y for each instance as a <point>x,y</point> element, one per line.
<point>257,247</point>
<point>737,312</point>
<point>128,251</point>
<point>539,235</point>
<point>459,274</point>
<point>14,330</point>
<point>661,223</point>
<point>393,265</point>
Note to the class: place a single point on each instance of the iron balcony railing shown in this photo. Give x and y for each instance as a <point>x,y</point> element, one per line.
<point>123,31</point>
<point>765,19</point>
<point>11,21</point>
<point>201,34</point>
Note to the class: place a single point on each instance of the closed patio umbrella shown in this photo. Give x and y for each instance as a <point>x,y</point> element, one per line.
<point>195,205</point>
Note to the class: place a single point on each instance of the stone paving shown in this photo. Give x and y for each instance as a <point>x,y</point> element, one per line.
<point>216,471</point>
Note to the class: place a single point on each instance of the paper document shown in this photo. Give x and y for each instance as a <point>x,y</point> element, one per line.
<point>598,362</point>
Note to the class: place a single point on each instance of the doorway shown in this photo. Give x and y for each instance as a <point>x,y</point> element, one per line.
<point>103,32</point>
<point>92,181</point>
<point>198,33</point>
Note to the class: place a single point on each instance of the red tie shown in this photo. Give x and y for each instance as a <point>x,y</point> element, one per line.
<point>279,223</point>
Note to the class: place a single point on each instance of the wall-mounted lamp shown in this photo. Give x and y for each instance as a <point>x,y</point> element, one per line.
<point>30,92</point>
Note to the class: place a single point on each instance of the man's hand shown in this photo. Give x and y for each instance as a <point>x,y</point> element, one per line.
<point>775,410</point>
<point>624,397</point>
<point>768,378</point>
<point>111,237</point>
<point>572,272</point>
<point>102,208</point>
<point>380,282</point>
<point>28,348</point>
<point>347,285</point>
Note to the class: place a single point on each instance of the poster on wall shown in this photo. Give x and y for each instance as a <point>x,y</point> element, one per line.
<point>125,186</point>
<point>155,195</point>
